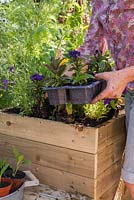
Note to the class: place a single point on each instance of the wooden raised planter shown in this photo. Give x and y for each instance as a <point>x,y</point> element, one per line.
<point>69,157</point>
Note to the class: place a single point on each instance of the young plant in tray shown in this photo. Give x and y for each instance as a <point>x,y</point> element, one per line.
<point>5,184</point>
<point>84,86</point>
<point>80,74</point>
<point>57,83</point>
<point>57,66</point>
<point>100,63</point>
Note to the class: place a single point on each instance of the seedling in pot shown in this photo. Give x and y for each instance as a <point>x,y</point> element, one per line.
<point>5,184</point>
<point>19,161</point>
<point>15,173</point>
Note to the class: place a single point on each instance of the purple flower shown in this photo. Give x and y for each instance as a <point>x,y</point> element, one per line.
<point>107,101</point>
<point>36,77</point>
<point>5,82</point>
<point>74,53</point>
<point>11,69</point>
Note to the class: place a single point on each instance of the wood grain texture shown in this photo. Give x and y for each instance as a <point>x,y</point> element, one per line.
<point>76,159</point>
<point>50,132</point>
<point>59,158</point>
<point>110,154</point>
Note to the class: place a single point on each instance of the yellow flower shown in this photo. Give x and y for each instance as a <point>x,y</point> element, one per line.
<point>121,100</point>
<point>63,61</point>
<point>1,95</point>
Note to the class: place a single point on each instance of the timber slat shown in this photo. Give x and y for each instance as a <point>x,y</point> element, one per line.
<point>50,132</point>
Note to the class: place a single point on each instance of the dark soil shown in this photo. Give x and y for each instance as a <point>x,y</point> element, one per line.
<point>81,120</point>
<point>19,174</point>
<point>52,113</point>
<point>93,123</point>
<point>4,184</point>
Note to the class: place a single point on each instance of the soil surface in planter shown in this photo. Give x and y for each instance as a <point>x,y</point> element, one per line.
<point>63,117</point>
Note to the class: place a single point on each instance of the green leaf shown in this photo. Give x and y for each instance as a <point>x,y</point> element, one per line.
<point>16,153</point>
<point>20,158</point>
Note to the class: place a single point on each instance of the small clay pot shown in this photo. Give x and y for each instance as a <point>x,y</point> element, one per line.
<point>5,186</point>
<point>17,180</point>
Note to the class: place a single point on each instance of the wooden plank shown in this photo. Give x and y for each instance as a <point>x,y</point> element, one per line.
<point>62,158</point>
<point>50,156</point>
<point>50,132</point>
<point>107,179</point>
<point>60,134</point>
<point>110,193</point>
<point>63,180</point>
<point>110,154</point>
<point>78,184</point>
<point>110,131</point>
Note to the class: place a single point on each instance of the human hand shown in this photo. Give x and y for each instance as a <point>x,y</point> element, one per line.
<point>116,83</point>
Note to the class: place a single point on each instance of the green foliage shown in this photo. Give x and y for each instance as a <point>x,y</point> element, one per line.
<point>80,74</point>
<point>32,33</point>
<point>3,167</point>
<point>19,160</point>
<point>96,111</point>
<point>100,63</point>
<point>57,68</point>
<point>6,85</point>
<point>22,94</point>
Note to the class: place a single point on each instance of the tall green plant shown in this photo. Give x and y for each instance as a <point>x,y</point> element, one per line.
<point>19,160</point>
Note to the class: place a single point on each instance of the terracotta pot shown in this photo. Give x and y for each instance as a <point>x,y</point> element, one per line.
<point>18,180</point>
<point>6,185</point>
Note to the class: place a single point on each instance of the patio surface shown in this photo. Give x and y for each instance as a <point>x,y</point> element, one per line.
<point>43,192</point>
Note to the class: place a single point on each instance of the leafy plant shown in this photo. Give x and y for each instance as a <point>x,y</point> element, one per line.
<point>100,63</point>
<point>19,160</point>
<point>3,167</point>
<point>79,71</point>
<point>58,67</point>
<point>96,111</point>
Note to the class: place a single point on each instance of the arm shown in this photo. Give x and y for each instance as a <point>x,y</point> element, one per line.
<point>95,38</point>
<point>116,82</point>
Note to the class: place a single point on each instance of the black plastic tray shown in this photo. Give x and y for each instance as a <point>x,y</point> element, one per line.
<point>85,94</point>
<point>74,94</point>
<point>57,95</point>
